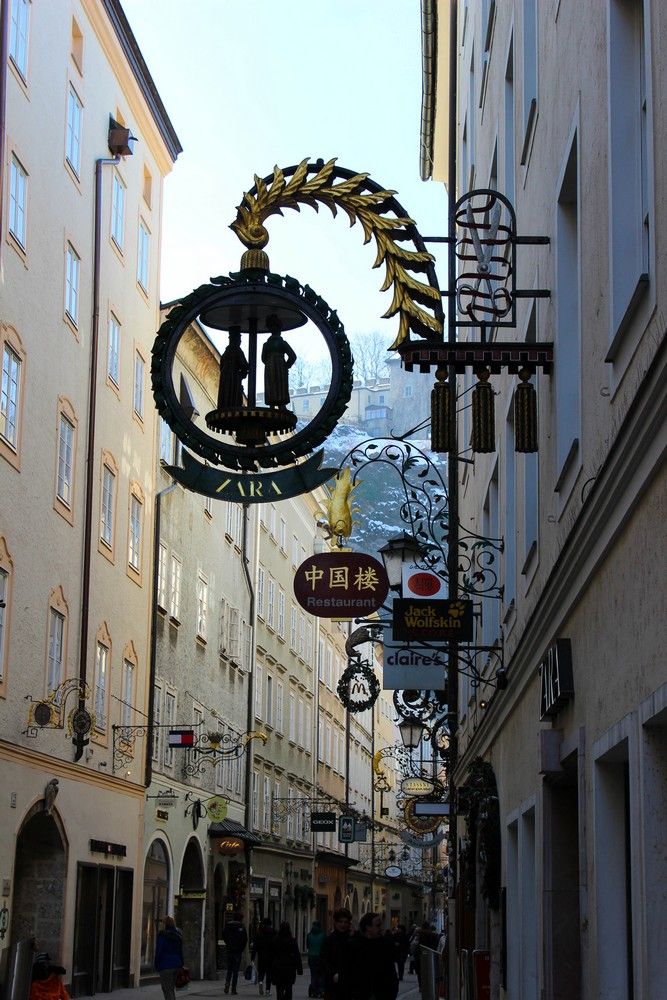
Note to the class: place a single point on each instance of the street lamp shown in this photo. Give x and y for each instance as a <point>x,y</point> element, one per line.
<point>412,733</point>
<point>395,552</point>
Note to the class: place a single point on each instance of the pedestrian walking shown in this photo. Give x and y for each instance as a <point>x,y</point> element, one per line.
<point>285,962</point>
<point>46,983</point>
<point>371,972</point>
<point>314,941</point>
<point>334,955</point>
<point>168,956</point>
<point>261,953</point>
<point>235,937</point>
<point>400,941</point>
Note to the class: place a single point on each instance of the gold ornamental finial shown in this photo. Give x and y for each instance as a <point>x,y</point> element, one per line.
<point>381,218</point>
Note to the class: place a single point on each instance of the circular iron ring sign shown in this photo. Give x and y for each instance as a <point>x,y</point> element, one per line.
<point>208,299</point>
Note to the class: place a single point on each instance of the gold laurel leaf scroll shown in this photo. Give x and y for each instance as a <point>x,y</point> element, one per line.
<point>417,302</point>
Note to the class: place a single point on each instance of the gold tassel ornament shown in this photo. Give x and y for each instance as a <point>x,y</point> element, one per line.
<point>483,437</point>
<point>525,414</point>
<point>440,413</point>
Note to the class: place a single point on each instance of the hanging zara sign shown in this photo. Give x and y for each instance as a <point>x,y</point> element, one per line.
<point>556,682</point>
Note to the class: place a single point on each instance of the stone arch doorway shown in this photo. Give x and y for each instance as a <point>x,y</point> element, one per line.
<point>40,870</point>
<point>190,915</point>
<point>157,878</point>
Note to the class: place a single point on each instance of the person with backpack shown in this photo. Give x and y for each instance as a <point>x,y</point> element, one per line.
<point>235,937</point>
<point>168,957</point>
<point>314,941</point>
<point>285,962</point>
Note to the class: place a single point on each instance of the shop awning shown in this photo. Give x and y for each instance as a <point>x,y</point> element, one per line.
<point>230,828</point>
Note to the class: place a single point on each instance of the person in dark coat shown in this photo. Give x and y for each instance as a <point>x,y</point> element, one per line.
<point>333,955</point>
<point>285,962</point>
<point>401,944</point>
<point>314,941</point>
<point>278,357</point>
<point>168,956</point>
<point>262,954</point>
<point>233,369</point>
<point>235,937</point>
<point>371,972</point>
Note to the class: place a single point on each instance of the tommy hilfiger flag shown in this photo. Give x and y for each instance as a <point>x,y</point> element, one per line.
<point>181,737</point>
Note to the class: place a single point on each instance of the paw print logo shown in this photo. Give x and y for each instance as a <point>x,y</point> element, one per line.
<point>457,609</point>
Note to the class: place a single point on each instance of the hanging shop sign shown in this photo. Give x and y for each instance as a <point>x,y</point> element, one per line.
<point>181,738</point>
<point>358,687</point>
<point>216,807</point>
<point>230,845</point>
<point>256,887</point>
<point>415,620</point>
<point>420,583</point>
<point>419,824</point>
<point>556,680</point>
<point>422,843</point>
<point>346,825</point>
<point>412,668</point>
<point>427,807</point>
<point>417,786</point>
<point>341,584</point>
<point>360,832</point>
<point>393,871</point>
<point>322,822</point>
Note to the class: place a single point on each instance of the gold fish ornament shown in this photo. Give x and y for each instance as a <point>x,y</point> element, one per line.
<point>338,507</point>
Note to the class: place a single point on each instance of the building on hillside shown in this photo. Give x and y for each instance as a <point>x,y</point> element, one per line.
<point>87,145</point>
<point>559,109</point>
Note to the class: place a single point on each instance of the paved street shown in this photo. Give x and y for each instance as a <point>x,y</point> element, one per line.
<point>213,988</point>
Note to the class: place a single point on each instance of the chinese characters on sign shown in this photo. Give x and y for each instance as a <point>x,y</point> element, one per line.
<point>333,584</point>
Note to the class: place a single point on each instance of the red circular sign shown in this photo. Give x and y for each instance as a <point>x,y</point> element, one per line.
<point>424,584</point>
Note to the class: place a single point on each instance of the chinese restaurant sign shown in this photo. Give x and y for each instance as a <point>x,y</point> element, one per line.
<point>335,584</point>
<point>431,620</point>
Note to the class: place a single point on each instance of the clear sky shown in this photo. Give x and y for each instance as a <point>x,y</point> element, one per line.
<point>253,83</point>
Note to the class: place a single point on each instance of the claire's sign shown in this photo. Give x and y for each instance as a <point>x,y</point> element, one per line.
<point>431,619</point>
<point>341,584</point>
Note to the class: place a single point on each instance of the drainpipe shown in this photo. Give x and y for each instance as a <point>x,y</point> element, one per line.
<point>4,55</point>
<point>150,735</point>
<point>80,741</point>
<point>250,716</point>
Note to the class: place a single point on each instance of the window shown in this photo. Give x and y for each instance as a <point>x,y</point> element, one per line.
<point>508,121</point>
<point>9,397</point>
<point>260,591</point>
<point>471,125</point>
<point>529,72</point>
<point>290,813</point>
<point>54,675</point>
<point>202,606</point>
<point>101,681</point>
<point>169,719</point>
<point>308,737</point>
<point>73,133</point>
<point>271,611</point>
<point>157,720</point>
<point>292,628</point>
<point>175,607</point>
<point>139,377</point>
<point>629,155</point>
<point>568,319</point>
<point>302,634</point>
<point>65,460</point>
<point>72,266</point>
<point>320,659</point>
<point>113,360</point>
<point>246,658</point>
<point>281,614</point>
<point>267,804</point>
<point>259,692</point>
<point>407,391</point>
<point>292,717</point>
<point>255,799</point>
<point>279,707</point>
<point>118,211</point>
<point>272,521</point>
<point>283,535</point>
<point>18,186</point>
<point>143,253</point>
<point>127,692</point>
<point>147,191</point>
<point>327,744</point>
<point>234,636</point>
<point>300,721</point>
<point>77,46</point>
<point>295,551</point>
<point>134,539</point>
<point>306,405</point>
<point>108,505</point>
<point>18,36</point>
<point>269,700</point>
<point>329,670</point>
<point>162,577</point>
<point>222,627</point>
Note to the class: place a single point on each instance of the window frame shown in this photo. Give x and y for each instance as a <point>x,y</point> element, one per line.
<point>113,334</point>
<point>73,131</point>
<point>18,204</point>
<point>102,642</point>
<point>108,546</point>
<point>139,386</point>
<point>143,255</point>
<point>64,505</point>
<point>135,539</point>
<point>117,222</point>
<point>72,273</point>
<point>19,31</point>
<point>10,448</point>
